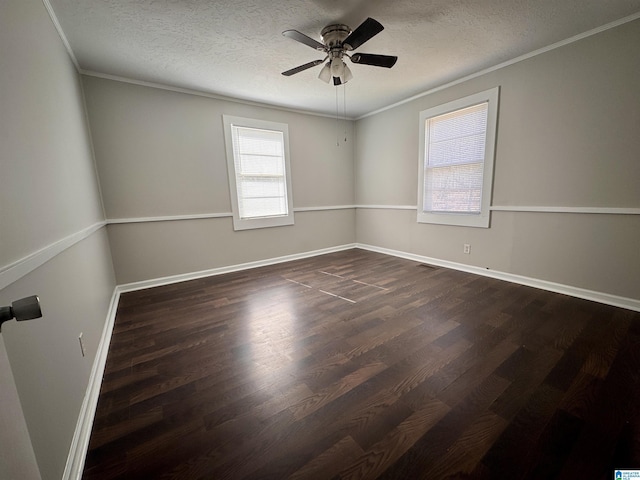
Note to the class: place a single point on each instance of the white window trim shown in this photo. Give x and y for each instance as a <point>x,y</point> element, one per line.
<point>469,220</point>
<point>249,223</point>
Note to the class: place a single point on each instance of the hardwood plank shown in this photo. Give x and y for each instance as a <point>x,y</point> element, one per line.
<point>425,452</point>
<point>316,401</point>
<point>432,373</point>
<point>385,452</point>
<point>329,462</point>
<point>462,457</point>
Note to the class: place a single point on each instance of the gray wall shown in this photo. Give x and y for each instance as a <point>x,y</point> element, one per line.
<point>17,459</point>
<point>161,153</point>
<point>567,136</point>
<point>48,191</point>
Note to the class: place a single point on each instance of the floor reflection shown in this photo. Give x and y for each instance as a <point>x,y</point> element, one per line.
<point>272,325</point>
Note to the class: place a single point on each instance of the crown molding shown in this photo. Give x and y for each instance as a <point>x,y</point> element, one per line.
<point>513,61</point>
<point>200,93</point>
<point>63,37</point>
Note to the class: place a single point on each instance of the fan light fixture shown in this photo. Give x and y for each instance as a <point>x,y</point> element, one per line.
<point>336,68</point>
<point>337,40</point>
<point>325,73</point>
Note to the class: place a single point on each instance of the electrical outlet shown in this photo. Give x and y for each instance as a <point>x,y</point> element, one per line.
<point>81,344</point>
<point>467,249</point>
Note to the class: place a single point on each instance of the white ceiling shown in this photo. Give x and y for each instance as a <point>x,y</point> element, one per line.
<point>235,47</point>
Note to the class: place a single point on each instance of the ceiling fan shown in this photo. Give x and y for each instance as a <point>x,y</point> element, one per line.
<point>337,40</point>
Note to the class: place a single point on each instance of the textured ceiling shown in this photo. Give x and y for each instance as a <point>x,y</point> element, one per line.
<point>235,47</point>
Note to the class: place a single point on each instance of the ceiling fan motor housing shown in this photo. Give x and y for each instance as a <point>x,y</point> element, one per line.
<point>337,40</point>
<point>333,36</point>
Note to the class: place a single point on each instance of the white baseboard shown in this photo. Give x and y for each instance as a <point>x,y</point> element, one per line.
<point>80,442</point>
<point>82,435</point>
<point>156,282</point>
<point>606,298</point>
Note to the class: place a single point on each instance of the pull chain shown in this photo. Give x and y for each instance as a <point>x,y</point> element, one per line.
<point>344,110</point>
<point>337,121</point>
<point>344,97</point>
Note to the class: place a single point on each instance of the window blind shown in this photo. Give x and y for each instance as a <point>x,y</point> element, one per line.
<point>454,161</point>
<point>260,172</point>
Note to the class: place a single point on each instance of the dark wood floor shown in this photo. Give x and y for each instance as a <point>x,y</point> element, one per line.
<point>360,365</point>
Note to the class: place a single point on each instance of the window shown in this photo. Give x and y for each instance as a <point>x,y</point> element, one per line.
<point>259,173</point>
<point>457,143</point>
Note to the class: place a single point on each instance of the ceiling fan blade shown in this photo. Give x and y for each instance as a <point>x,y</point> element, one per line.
<point>302,38</point>
<point>386,61</point>
<point>301,68</point>
<point>367,30</point>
